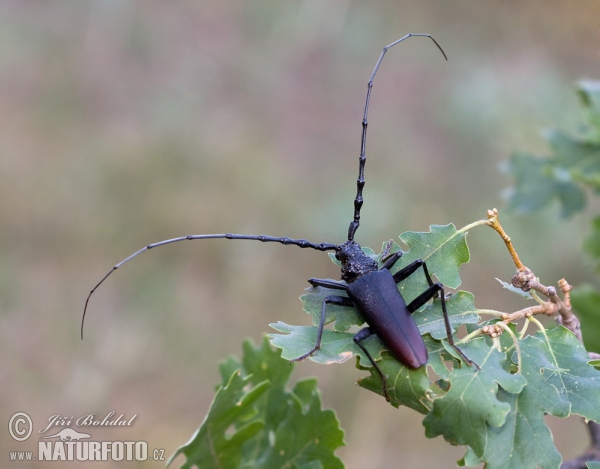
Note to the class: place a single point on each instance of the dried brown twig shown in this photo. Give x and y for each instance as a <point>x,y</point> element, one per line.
<point>527,281</point>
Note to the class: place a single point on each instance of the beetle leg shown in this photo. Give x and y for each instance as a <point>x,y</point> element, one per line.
<point>391,260</point>
<point>328,283</point>
<point>407,271</point>
<point>428,295</point>
<point>336,300</point>
<point>358,338</point>
<point>424,298</point>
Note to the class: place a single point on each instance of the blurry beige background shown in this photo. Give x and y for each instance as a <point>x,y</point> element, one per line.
<point>124,123</point>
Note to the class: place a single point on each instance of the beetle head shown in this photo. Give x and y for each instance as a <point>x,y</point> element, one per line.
<point>354,261</point>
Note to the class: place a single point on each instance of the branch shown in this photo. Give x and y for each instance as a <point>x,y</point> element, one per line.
<point>494,222</point>
<point>526,280</point>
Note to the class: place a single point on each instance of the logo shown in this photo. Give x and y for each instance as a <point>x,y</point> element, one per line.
<point>69,444</point>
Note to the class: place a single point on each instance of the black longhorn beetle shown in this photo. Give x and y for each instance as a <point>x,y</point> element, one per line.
<point>372,291</point>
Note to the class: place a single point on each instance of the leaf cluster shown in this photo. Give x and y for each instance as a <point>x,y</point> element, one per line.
<point>255,422</point>
<point>572,164</point>
<point>496,411</point>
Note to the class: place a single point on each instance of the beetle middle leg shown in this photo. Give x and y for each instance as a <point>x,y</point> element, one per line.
<point>431,292</point>
<point>390,260</point>
<point>336,300</point>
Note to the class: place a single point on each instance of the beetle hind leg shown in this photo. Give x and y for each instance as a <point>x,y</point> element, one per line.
<point>427,295</point>
<point>433,290</point>
<point>358,338</point>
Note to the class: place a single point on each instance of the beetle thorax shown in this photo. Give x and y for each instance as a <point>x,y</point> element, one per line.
<point>354,261</point>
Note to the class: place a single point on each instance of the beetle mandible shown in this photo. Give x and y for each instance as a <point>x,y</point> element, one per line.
<point>370,289</point>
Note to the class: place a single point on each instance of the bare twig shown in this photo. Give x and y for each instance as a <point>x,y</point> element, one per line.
<point>494,222</point>
<point>526,280</point>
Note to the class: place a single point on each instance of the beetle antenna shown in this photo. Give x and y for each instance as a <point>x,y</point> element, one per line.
<point>360,182</point>
<point>303,243</point>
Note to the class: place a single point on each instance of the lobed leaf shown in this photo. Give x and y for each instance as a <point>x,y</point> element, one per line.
<point>343,317</point>
<point>557,369</point>
<point>573,162</point>
<point>472,398</point>
<point>523,442</point>
<point>443,248</point>
<point>406,386</point>
<point>560,381</point>
<point>336,347</point>
<point>211,446</point>
<point>254,422</point>
<point>538,181</point>
<point>461,310</point>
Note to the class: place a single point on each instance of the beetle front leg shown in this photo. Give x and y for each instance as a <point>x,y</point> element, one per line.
<point>390,260</point>
<point>335,300</point>
<point>358,338</point>
<point>328,283</point>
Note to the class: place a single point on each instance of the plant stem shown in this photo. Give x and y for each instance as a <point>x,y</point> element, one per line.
<point>494,222</point>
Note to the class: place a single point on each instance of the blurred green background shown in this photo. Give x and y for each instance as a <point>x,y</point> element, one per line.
<point>124,123</point>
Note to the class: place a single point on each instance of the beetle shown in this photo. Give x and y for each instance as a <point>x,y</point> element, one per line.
<point>371,290</point>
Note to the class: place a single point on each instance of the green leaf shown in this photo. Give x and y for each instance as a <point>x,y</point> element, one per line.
<point>461,310</point>
<point>443,248</point>
<point>473,398</point>
<point>556,367</point>
<point>538,181</point>
<point>307,437</point>
<point>254,422</point>
<point>559,382</point>
<point>524,441</point>
<point>576,159</point>
<point>405,386</point>
<point>593,464</point>
<point>343,317</point>
<point>573,162</point>
<point>336,347</point>
<point>436,353</point>
<point>211,446</point>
